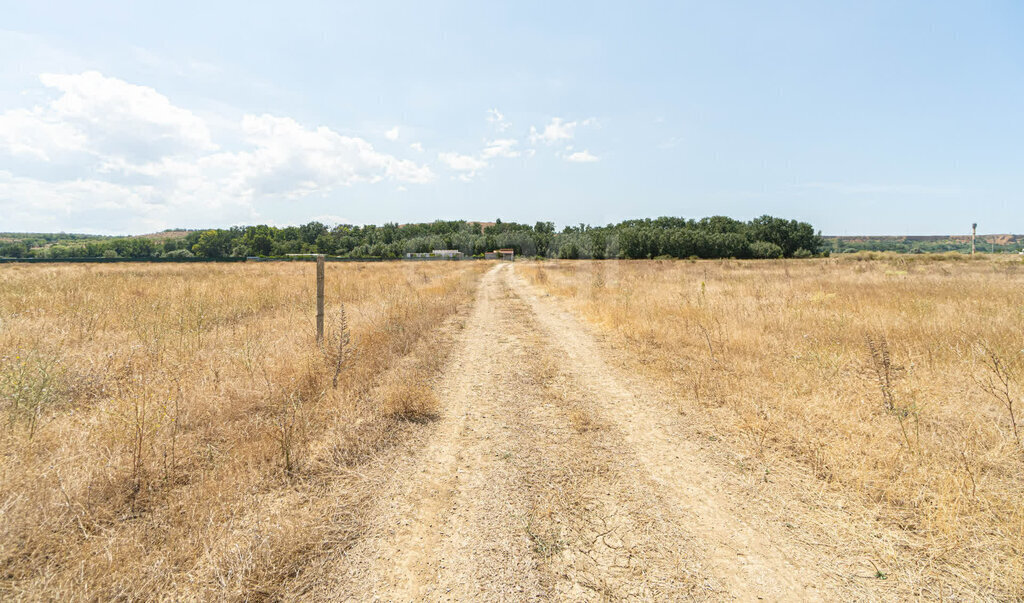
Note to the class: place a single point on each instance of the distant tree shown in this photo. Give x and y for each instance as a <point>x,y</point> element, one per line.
<point>569,251</point>
<point>765,250</point>
<point>16,249</point>
<point>544,228</point>
<point>311,233</point>
<point>212,244</point>
<point>325,243</point>
<point>790,235</point>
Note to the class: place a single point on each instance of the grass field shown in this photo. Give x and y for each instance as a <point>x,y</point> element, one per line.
<point>173,430</point>
<point>849,427</point>
<point>895,381</point>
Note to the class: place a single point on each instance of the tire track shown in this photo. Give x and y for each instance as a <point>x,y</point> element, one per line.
<point>550,475</point>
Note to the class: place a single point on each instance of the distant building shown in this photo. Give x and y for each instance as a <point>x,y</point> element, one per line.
<point>437,254</point>
<point>448,253</point>
<point>505,254</point>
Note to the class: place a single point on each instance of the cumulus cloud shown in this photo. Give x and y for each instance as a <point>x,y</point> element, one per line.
<point>392,134</point>
<point>556,130</point>
<point>28,133</point>
<point>124,119</point>
<point>128,148</point>
<point>102,116</point>
<point>503,147</point>
<point>416,146</point>
<point>582,157</point>
<point>467,165</point>
<point>290,154</point>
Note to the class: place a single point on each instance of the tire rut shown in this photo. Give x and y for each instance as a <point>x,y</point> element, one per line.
<point>740,557</point>
<point>550,475</point>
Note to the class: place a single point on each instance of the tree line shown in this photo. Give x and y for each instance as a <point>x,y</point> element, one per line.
<point>665,237</point>
<point>920,245</point>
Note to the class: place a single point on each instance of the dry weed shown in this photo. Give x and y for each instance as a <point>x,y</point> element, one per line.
<point>171,430</point>
<point>773,356</point>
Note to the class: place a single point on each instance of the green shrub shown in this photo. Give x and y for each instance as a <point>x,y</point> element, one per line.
<point>179,253</point>
<point>802,253</point>
<point>765,250</point>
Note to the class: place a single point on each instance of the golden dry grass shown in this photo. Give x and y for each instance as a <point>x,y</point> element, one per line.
<point>173,431</point>
<point>874,376</point>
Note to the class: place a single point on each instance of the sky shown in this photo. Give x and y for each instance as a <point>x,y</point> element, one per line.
<point>858,117</point>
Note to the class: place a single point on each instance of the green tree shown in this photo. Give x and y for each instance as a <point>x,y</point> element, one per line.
<point>212,244</point>
<point>765,250</point>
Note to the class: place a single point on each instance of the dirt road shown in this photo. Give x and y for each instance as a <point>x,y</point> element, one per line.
<point>552,473</point>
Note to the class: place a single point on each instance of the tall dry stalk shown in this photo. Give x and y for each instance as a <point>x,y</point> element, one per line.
<point>886,373</point>
<point>290,430</point>
<point>885,370</point>
<point>998,383</point>
<point>341,346</point>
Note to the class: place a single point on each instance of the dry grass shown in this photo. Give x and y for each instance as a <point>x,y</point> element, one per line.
<point>173,430</point>
<point>893,382</point>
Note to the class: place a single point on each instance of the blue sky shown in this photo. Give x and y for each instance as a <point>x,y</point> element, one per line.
<point>860,117</point>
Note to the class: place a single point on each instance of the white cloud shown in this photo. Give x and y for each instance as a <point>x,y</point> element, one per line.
<point>284,160</point>
<point>289,153</point>
<point>100,149</point>
<point>102,116</point>
<point>124,119</point>
<point>467,164</point>
<point>503,147</point>
<point>553,132</point>
<point>582,157</point>
<point>29,133</point>
<point>127,149</point>
<point>498,119</point>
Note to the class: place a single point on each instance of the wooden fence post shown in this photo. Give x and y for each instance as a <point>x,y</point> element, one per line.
<point>320,300</point>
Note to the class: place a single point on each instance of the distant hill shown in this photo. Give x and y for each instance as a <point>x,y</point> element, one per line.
<point>164,235</point>
<point>998,243</point>
<point>483,225</point>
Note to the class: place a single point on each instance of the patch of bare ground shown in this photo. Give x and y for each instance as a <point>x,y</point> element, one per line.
<point>448,525</point>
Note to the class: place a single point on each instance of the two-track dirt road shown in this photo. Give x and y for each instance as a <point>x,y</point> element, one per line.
<point>551,473</point>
